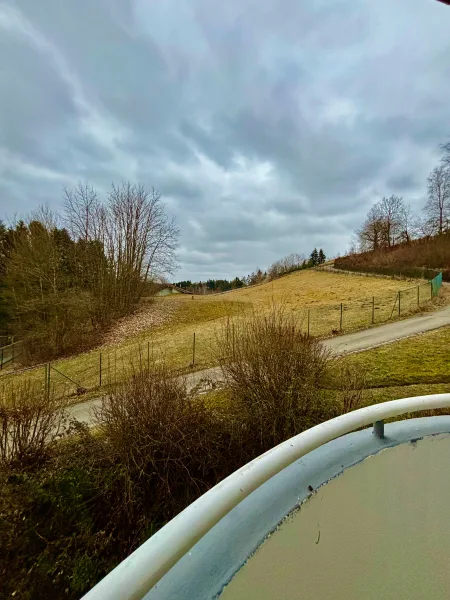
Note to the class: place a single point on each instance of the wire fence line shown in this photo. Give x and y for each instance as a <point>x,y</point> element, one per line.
<point>10,353</point>
<point>362,313</point>
<point>394,275</point>
<point>104,368</point>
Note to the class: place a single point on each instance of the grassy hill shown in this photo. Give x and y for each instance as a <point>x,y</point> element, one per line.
<point>314,296</point>
<point>310,288</point>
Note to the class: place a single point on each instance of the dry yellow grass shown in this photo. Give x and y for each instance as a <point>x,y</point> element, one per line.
<point>317,297</point>
<point>311,288</point>
<point>313,295</point>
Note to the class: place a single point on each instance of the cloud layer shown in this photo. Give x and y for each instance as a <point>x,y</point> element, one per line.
<point>269,126</point>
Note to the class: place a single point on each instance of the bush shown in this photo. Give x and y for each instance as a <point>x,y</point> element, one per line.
<point>171,446</point>
<point>351,381</point>
<point>60,527</point>
<point>30,420</point>
<point>277,376</point>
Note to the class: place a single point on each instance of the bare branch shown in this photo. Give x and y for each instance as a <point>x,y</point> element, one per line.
<point>437,208</point>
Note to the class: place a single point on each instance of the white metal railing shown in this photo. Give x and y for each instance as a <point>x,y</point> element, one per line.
<point>138,573</point>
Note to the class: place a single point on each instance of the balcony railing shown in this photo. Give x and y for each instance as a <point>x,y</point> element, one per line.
<point>143,569</point>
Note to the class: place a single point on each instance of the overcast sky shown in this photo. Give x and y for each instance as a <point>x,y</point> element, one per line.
<point>269,126</point>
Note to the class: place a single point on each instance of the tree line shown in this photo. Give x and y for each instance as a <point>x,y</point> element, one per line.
<point>392,221</point>
<point>65,278</point>
<point>211,285</point>
<point>288,264</point>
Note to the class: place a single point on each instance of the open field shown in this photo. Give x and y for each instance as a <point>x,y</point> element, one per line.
<point>315,297</point>
<point>423,359</point>
<point>311,288</point>
<point>412,367</point>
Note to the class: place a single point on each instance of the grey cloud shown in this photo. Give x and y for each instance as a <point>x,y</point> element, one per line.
<point>29,114</point>
<point>403,182</point>
<point>270,127</point>
<point>289,206</point>
<point>240,228</point>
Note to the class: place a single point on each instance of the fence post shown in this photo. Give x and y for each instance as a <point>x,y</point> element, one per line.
<point>100,365</point>
<point>148,357</point>
<point>373,310</point>
<point>1,361</point>
<point>340,323</point>
<point>418,296</point>
<point>399,296</point>
<point>48,378</point>
<point>12,351</point>
<point>193,351</point>
<point>45,380</point>
<point>308,322</point>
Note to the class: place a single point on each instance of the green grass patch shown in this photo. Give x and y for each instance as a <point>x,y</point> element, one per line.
<point>423,359</point>
<point>395,392</point>
<point>218,398</point>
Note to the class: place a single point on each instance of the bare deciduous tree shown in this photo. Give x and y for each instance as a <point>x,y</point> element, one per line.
<point>82,208</point>
<point>128,240</point>
<point>446,154</point>
<point>370,235</point>
<point>392,211</point>
<point>387,223</point>
<point>285,265</point>
<point>437,208</point>
<point>409,224</point>
<point>141,239</point>
<point>354,243</point>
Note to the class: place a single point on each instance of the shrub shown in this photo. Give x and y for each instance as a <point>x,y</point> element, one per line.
<point>277,376</point>
<point>351,382</point>
<point>171,446</point>
<point>60,527</point>
<point>30,419</point>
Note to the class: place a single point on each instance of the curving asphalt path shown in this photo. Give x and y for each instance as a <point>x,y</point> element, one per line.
<point>343,344</point>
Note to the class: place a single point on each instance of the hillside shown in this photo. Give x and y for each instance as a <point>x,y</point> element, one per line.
<point>164,328</point>
<point>310,288</point>
<point>421,257</point>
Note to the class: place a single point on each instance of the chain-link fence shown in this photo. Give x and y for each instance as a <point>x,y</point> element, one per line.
<point>10,353</point>
<point>359,314</point>
<point>101,369</point>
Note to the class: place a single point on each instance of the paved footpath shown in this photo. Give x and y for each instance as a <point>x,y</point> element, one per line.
<point>343,344</point>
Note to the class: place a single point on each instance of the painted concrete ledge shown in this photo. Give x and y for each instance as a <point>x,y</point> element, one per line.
<point>204,571</point>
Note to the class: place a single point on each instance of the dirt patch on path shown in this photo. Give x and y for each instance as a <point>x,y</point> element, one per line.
<point>150,314</point>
